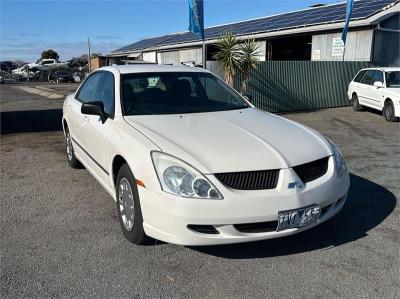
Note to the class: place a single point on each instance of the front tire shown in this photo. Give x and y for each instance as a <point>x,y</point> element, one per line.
<point>388,111</point>
<point>356,103</point>
<point>128,207</point>
<point>69,149</point>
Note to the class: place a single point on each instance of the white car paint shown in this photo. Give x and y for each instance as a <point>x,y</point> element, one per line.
<point>248,130</point>
<point>212,142</point>
<point>375,96</point>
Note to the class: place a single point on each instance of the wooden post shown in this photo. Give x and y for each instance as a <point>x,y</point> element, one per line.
<point>89,66</point>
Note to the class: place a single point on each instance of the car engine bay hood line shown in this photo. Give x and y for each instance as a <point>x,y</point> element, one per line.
<point>232,141</point>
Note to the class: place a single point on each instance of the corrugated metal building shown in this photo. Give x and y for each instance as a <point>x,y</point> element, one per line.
<point>310,34</point>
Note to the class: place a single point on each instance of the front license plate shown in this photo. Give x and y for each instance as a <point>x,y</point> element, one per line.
<point>298,218</point>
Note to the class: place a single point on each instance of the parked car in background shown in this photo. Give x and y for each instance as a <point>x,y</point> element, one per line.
<point>189,161</point>
<point>61,76</point>
<point>1,78</point>
<point>22,71</point>
<point>377,88</point>
<point>42,64</point>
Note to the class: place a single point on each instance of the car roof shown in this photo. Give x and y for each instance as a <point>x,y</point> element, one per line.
<point>151,68</point>
<point>385,69</point>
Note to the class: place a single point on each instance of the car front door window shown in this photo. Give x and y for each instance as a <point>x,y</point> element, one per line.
<point>105,92</point>
<point>87,92</point>
<point>375,93</point>
<point>378,77</point>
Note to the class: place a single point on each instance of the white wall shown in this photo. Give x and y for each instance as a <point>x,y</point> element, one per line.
<point>149,56</point>
<point>358,46</point>
<point>171,57</point>
<point>176,57</point>
<point>262,50</point>
<point>189,55</point>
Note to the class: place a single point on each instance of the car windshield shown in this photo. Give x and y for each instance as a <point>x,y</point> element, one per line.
<point>393,79</point>
<point>177,93</point>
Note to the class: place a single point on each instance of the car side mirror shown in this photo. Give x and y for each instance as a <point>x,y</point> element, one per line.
<point>378,84</point>
<point>248,97</point>
<point>94,108</point>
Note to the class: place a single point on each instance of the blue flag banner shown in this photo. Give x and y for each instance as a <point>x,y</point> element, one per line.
<point>349,10</point>
<point>196,17</point>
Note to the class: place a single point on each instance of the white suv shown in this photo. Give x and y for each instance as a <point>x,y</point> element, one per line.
<point>377,88</point>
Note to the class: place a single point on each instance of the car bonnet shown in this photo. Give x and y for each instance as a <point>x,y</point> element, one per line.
<point>236,140</point>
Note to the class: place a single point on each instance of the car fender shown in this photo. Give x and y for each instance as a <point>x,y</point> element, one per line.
<point>135,148</point>
<point>65,117</point>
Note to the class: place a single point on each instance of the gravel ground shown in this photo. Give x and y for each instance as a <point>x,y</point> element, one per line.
<point>60,234</point>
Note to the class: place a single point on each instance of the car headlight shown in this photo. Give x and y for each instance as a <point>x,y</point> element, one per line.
<point>179,178</point>
<point>340,163</point>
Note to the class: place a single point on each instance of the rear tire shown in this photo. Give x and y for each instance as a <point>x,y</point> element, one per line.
<point>69,149</point>
<point>128,207</point>
<point>388,112</point>
<point>356,103</point>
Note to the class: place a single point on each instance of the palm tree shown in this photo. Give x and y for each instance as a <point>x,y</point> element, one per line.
<point>248,62</point>
<point>228,56</point>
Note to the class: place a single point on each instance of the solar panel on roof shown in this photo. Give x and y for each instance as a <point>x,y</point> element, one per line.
<point>320,15</point>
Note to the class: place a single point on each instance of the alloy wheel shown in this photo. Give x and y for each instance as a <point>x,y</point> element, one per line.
<point>68,144</point>
<point>126,204</point>
<point>388,111</point>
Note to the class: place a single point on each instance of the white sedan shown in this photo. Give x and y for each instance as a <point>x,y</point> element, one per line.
<point>189,161</point>
<point>377,88</point>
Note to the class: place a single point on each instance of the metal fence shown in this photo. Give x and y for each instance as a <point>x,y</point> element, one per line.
<point>279,86</point>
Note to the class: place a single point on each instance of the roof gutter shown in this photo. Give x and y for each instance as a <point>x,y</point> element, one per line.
<point>387,29</point>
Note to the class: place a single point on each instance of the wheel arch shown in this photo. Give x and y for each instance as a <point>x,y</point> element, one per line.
<point>117,163</point>
<point>64,124</point>
<point>387,100</point>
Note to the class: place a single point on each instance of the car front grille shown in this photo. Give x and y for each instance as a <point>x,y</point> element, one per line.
<point>250,180</point>
<point>203,229</point>
<point>313,170</point>
<point>259,227</point>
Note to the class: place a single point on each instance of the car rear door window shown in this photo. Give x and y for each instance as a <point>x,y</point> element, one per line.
<point>368,77</point>
<point>359,76</point>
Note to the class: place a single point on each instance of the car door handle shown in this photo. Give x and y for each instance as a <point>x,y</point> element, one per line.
<point>85,119</point>
<point>69,108</point>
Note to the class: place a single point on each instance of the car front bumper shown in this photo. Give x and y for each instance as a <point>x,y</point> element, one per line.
<point>168,218</point>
